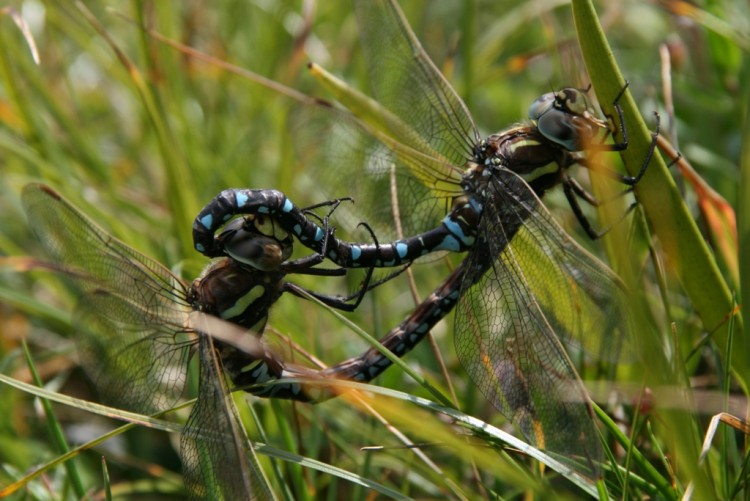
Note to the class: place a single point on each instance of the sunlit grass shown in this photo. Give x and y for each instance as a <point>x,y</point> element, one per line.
<point>140,140</point>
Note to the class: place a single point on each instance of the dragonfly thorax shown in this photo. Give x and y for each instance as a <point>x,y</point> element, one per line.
<point>236,293</point>
<point>529,154</point>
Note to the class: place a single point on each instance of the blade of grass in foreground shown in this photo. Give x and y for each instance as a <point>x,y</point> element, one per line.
<point>666,211</point>
<point>55,429</point>
<point>140,420</point>
<point>672,224</point>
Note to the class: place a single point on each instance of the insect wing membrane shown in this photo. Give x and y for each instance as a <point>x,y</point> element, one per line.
<point>131,312</point>
<point>336,148</point>
<point>414,148</point>
<point>585,302</point>
<point>135,362</point>
<point>218,459</point>
<point>541,299</point>
<point>406,81</point>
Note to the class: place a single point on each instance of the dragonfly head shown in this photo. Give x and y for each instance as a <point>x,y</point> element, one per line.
<point>256,242</point>
<point>566,118</point>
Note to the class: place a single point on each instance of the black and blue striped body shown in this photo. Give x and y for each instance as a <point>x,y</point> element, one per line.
<point>253,374</point>
<point>455,234</point>
<point>520,150</point>
<point>138,325</point>
<point>146,304</point>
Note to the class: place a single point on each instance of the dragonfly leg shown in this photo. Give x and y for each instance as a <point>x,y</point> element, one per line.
<point>573,191</point>
<point>309,211</point>
<point>339,302</point>
<point>624,142</point>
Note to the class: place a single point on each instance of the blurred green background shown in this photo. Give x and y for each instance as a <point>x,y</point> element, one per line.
<point>141,140</point>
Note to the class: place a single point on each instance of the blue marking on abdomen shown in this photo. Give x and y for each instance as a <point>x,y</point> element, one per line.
<point>207,220</point>
<point>454,228</point>
<point>241,199</point>
<point>401,249</point>
<point>356,252</point>
<point>449,243</point>
<point>287,206</point>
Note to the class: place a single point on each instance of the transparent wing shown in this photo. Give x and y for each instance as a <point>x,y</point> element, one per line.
<point>132,325</point>
<point>532,299</point>
<point>407,162</point>
<point>137,363</point>
<point>131,316</point>
<point>218,459</point>
<point>386,179</point>
<point>580,296</point>
<point>405,80</point>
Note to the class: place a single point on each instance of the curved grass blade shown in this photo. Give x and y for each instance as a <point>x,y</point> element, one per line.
<point>665,208</point>
<point>678,235</point>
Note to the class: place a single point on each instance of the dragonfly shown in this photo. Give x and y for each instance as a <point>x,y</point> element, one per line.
<point>137,325</point>
<point>530,298</point>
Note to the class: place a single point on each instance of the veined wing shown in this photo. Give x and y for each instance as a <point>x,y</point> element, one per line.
<point>531,299</point>
<point>579,295</point>
<point>136,363</point>
<point>134,323</point>
<point>412,142</point>
<point>218,459</point>
<point>346,156</point>
<point>405,80</point>
<point>132,312</point>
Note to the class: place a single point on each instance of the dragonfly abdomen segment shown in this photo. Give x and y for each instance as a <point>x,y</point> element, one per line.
<point>403,338</point>
<point>231,202</point>
<point>456,233</point>
<point>363,368</point>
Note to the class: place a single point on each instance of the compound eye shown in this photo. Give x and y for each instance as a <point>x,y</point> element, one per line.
<point>557,126</point>
<point>257,251</point>
<point>542,105</point>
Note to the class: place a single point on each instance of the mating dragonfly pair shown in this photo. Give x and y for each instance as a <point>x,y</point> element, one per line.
<point>529,298</point>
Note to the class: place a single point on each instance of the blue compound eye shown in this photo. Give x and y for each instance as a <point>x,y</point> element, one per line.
<point>557,126</point>
<point>542,105</point>
<point>558,116</point>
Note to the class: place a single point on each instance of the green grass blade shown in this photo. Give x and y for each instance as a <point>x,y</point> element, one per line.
<point>103,410</point>
<point>54,428</point>
<point>179,194</point>
<point>329,469</point>
<point>743,214</point>
<point>665,208</point>
<point>672,224</point>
